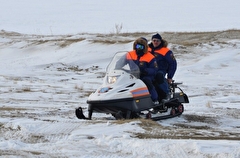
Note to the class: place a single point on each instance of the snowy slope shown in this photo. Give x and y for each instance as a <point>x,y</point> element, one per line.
<point>43,82</point>
<point>54,54</point>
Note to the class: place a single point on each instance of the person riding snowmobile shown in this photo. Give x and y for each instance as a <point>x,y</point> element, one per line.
<point>147,65</point>
<point>167,64</point>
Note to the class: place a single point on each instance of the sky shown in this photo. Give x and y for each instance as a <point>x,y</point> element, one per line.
<point>103,16</point>
<point>39,93</point>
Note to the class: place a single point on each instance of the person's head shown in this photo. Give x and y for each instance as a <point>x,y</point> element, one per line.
<point>141,46</point>
<point>156,40</point>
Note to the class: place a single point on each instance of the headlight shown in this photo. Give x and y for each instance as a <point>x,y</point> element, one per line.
<point>112,79</point>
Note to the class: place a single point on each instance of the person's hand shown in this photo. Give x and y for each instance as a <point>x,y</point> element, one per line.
<point>169,80</point>
<point>144,72</point>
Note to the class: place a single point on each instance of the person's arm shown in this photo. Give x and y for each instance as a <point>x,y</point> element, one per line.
<point>152,68</point>
<point>172,65</point>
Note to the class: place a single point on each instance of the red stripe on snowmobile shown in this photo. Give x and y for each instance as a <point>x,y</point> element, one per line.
<point>140,92</point>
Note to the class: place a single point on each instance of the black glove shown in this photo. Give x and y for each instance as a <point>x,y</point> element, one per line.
<point>144,73</point>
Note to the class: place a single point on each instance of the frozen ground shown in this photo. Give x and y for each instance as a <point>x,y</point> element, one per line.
<point>44,78</point>
<point>53,54</point>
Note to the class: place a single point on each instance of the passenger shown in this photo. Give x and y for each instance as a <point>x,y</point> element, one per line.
<point>146,63</point>
<point>167,64</point>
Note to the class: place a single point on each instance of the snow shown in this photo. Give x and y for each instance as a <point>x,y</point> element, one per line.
<point>50,62</point>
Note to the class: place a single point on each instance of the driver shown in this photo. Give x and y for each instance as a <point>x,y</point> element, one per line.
<point>146,63</point>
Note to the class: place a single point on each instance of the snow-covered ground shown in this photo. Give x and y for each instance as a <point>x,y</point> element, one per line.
<point>54,54</point>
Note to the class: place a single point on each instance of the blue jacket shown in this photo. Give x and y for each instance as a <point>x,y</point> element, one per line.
<point>147,63</point>
<point>165,60</point>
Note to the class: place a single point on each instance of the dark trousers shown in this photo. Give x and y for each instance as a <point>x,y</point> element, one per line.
<point>149,83</point>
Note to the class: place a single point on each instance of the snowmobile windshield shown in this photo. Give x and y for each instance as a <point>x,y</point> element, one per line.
<point>120,62</point>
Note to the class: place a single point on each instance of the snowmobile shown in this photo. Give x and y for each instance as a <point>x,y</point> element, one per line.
<point>125,96</point>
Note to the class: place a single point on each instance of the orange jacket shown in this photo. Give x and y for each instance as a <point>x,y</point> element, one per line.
<point>165,60</point>
<point>147,63</point>
<point>147,57</point>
